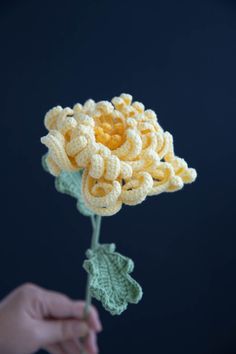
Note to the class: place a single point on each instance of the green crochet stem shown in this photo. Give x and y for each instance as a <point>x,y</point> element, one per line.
<point>96,224</point>
<point>109,279</point>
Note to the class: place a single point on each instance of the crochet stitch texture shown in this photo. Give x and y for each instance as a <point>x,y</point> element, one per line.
<point>123,151</point>
<point>110,280</point>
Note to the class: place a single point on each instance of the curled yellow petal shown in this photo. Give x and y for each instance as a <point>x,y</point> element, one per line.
<point>126,170</point>
<point>56,145</point>
<point>67,125</point>
<point>109,196</point>
<point>123,151</point>
<point>62,116</point>
<point>161,178</point>
<point>51,116</point>
<point>151,159</point>
<point>103,150</point>
<point>76,145</point>
<point>112,168</point>
<point>83,158</point>
<point>136,190</point>
<point>54,169</point>
<point>189,175</point>
<point>149,141</point>
<point>89,106</point>
<point>151,115</point>
<point>146,127</point>
<point>84,119</point>
<point>106,211</point>
<point>83,130</point>
<point>135,144</point>
<point>138,106</point>
<point>164,144</point>
<point>104,106</point>
<point>181,169</point>
<point>97,166</point>
<point>175,184</point>
<point>127,98</point>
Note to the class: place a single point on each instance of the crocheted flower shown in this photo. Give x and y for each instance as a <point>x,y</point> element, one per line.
<point>123,151</point>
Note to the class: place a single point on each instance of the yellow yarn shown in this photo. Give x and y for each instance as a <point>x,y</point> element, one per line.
<point>125,154</point>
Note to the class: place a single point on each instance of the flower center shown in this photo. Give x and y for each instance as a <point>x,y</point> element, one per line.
<point>110,134</point>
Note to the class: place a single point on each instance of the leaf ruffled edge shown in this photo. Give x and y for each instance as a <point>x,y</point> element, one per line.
<point>99,293</point>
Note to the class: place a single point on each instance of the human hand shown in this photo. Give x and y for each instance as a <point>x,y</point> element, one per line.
<point>33,318</point>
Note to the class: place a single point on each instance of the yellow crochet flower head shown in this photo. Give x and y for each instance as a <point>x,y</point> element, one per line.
<point>123,151</point>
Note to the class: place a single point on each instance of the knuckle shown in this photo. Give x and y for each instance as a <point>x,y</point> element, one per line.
<point>26,290</point>
<point>30,287</point>
<point>60,296</point>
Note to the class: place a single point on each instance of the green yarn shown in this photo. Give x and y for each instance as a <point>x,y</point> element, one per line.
<point>70,183</point>
<point>96,224</point>
<point>110,281</point>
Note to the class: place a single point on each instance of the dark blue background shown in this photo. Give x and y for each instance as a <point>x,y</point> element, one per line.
<point>178,57</point>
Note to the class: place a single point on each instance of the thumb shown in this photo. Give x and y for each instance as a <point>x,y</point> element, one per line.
<point>52,331</point>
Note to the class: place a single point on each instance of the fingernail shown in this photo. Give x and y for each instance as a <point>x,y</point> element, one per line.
<point>81,329</point>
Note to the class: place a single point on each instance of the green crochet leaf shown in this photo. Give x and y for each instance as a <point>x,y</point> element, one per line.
<point>70,183</point>
<point>110,281</point>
